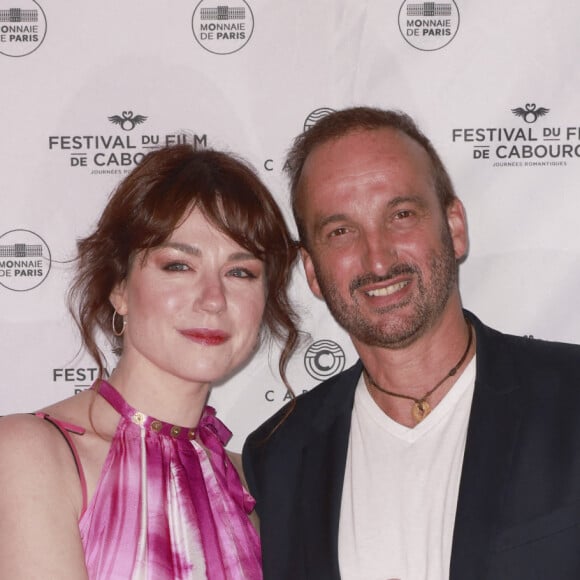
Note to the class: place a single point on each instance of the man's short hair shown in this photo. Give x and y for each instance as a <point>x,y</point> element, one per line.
<point>339,124</point>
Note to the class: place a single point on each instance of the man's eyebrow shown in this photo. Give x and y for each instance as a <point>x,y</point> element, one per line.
<point>329,219</point>
<point>416,199</point>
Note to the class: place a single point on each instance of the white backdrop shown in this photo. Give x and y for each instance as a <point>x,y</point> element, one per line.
<point>87,87</point>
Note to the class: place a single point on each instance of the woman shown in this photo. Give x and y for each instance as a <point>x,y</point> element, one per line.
<point>189,261</point>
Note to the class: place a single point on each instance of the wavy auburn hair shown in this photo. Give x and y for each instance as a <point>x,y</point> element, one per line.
<point>150,203</point>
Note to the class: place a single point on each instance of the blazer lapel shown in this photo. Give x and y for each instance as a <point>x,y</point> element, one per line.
<point>322,478</point>
<point>493,426</point>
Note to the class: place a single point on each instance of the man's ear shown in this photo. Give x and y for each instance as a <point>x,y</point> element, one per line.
<point>310,273</point>
<point>118,298</point>
<point>457,221</point>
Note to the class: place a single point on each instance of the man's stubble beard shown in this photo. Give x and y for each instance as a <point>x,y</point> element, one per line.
<point>395,331</point>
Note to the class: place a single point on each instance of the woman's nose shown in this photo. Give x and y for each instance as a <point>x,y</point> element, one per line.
<point>211,296</point>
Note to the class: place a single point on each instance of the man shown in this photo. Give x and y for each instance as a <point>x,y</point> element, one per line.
<point>449,450</point>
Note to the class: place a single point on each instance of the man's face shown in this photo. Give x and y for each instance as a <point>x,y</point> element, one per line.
<point>380,250</point>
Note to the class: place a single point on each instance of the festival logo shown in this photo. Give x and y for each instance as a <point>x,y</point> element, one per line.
<point>315,116</point>
<point>530,112</point>
<point>428,25</point>
<point>127,120</point>
<point>530,143</point>
<point>323,359</point>
<point>222,27</point>
<point>22,27</point>
<point>119,153</point>
<point>24,260</point>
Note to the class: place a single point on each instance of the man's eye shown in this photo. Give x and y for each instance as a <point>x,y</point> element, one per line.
<point>403,214</point>
<point>338,232</point>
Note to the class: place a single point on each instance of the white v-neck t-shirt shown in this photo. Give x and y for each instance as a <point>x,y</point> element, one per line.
<point>400,488</point>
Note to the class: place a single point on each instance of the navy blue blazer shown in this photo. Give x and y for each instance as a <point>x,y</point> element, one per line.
<point>518,512</point>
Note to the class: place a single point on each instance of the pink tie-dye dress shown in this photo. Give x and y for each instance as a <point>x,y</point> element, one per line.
<point>169,504</point>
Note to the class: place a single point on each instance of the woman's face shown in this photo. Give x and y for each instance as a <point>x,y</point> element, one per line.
<point>194,307</point>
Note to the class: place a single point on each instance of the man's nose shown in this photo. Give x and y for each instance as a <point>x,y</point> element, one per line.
<point>379,252</point>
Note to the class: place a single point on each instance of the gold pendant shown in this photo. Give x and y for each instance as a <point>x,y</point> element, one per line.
<point>420,410</point>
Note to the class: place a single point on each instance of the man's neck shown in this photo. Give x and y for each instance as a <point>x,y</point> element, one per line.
<point>416,369</point>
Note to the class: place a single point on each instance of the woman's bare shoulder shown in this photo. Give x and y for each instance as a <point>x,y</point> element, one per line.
<point>40,500</point>
<point>28,431</point>
<point>74,410</point>
<point>32,448</point>
<point>24,431</point>
<point>27,442</point>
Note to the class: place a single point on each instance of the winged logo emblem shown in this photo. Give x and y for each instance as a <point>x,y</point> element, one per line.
<point>530,112</point>
<point>127,120</point>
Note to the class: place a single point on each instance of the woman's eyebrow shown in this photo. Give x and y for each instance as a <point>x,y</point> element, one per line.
<point>186,248</point>
<point>195,251</point>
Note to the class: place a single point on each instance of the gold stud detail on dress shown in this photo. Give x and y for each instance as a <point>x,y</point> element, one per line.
<point>175,430</point>
<point>191,434</point>
<point>156,426</point>
<point>138,418</point>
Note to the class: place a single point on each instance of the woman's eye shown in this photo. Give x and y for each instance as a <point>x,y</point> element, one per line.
<point>241,273</point>
<point>176,267</point>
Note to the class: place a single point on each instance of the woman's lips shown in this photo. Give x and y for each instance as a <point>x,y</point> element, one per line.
<point>206,336</point>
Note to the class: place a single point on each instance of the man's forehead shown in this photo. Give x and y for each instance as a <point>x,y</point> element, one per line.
<point>383,143</point>
<point>379,134</point>
<point>365,154</point>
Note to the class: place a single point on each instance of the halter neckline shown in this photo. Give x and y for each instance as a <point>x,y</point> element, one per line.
<point>114,398</point>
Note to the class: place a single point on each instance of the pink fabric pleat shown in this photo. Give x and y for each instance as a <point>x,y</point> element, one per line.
<point>166,507</point>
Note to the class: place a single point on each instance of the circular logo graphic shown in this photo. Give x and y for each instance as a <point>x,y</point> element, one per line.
<point>222,27</point>
<point>428,25</point>
<point>323,359</point>
<point>24,260</point>
<point>315,116</point>
<point>22,27</point>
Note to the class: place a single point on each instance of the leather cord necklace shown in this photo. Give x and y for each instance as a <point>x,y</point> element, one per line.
<point>421,407</point>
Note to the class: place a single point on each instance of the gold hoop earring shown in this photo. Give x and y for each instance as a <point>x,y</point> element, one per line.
<point>115,331</point>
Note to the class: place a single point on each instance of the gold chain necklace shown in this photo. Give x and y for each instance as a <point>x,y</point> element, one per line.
<point>421,407</point>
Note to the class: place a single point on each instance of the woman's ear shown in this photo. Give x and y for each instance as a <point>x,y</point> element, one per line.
<point>118,298</point>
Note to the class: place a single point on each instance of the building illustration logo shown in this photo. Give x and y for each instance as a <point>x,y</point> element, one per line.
<point>22,27</point>
<point>316,115</point>
<point>24,260</point>
<point>127,120</point>
<point>222,27</point>
<point>428,25</point>
<point>530,112</point>
<point>323,359</point>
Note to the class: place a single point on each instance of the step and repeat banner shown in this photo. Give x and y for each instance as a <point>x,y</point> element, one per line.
<point>88,88</point>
